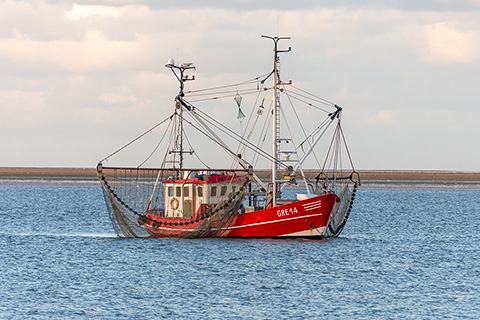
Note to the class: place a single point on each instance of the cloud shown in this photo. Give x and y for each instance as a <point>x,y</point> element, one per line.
<point>94,53</point>
<point>84,11</point>
<point>103,63</point>
<point>382,118</point>
<point>444,45</point>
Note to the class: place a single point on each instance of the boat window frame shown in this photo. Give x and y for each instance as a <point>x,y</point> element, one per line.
<point>213,191</point>
<point>223,191</point>
<point>178,191</point>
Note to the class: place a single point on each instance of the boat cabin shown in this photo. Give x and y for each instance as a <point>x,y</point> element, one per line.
<point>191,197</point>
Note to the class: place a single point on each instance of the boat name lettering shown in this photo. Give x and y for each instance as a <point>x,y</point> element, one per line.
<point>287,212</point>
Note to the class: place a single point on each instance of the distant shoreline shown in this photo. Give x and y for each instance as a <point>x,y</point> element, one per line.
<point>366,175</point>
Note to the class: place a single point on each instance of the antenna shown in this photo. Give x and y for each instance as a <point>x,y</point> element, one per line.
<point>181,77</point>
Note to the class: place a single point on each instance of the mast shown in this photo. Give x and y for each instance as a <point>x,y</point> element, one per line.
<point>276,115</point>
<point>179,74</point>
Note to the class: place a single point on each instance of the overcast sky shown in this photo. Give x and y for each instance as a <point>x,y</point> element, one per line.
<point>79,79</point>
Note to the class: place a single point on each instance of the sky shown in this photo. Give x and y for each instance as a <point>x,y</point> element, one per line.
<point>81,78</point>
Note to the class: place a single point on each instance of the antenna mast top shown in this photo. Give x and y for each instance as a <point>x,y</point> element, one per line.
<point>181,70</point>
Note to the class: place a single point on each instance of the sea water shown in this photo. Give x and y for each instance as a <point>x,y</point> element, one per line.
<point>405,253</point>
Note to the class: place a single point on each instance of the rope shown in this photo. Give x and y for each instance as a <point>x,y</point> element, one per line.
<point>137,138</point>
<point>234,136</point>
<point>196,155</point>
<point>301,126</point>
<point>320,99</point>
<point>346,148</point>
<point>227,86</point>
<point>155,149</point>
<point>225,96</point>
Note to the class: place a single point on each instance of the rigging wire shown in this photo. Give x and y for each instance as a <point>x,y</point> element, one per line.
<point>207,134</point>
<point>325,101</point>
<point>235,136</point>
<point>195,153</point>
<point>240,149</point>
<point>263,133</point>
<point>228,85</point>
<point>137,138</point>
<point>221,92</point>
<point>233,94</point>
<point>308,103</point>
<point>170,143</point>
<point>320,127</point>
<point>232,135</point>
<point>301,126</point>
<point>330,149</point>
<point>346,148</point>
<point>158,144</point>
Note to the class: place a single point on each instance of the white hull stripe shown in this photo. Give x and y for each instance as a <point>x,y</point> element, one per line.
<point>313,205</point>
<point>245,225</point>
<point>312,208</point>
<point>305,233</point>
<point>274,221</point>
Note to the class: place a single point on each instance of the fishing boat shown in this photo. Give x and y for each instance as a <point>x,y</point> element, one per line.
<point>183,196</point>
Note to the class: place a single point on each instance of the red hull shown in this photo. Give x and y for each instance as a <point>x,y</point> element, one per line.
<point>304,218</point>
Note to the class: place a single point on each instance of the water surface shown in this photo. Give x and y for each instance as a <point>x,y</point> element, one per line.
<point>405,253</point>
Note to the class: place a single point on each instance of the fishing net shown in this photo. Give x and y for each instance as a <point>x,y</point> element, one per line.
<point>345,188</point>
<point>134,197</point>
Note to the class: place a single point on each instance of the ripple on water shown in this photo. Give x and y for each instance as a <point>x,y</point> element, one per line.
<point>405,253</point>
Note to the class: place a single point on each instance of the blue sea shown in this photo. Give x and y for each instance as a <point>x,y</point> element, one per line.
<point>407,252</point>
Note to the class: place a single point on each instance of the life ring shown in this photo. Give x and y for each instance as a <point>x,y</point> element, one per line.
<point>174,203</point>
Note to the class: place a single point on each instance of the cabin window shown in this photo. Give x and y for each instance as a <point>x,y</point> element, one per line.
<point>234,188</point>
<point>185,192</point>
<point>213,191</point>
<point>170,191</point>
<point>200,191</point>
<point>223,191</point>
<point>178,191</point>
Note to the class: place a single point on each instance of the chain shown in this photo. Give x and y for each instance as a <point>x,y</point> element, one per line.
<point>142,218</point>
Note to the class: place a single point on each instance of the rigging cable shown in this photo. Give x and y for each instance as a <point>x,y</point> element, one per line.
<point>263,133</point>
<point>346,148</point>
<point>137,138</point>
<point>155,149</point>
<point>233,94</point>
<point>170,144</point>
<point>325,101</point>
<point>292,93</point>
<point>228,85</point>
<point>196,155</point>
<point>239,149</point>
<point>237,137</point>
<point>301,126</point>
<point>231,134</point>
